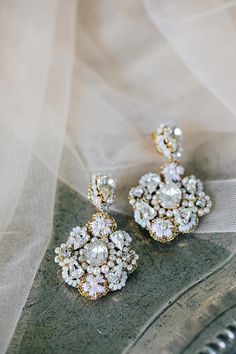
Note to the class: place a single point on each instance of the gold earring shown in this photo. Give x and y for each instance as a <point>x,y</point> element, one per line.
<point>168,203</point>
<point>97,258</point>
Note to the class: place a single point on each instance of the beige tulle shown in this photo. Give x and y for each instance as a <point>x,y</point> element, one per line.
<point>83,83</point>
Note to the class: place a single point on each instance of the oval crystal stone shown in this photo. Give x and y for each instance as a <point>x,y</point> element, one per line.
<point>170,195</point>
<point>106,186</point>
<point>97,253</point>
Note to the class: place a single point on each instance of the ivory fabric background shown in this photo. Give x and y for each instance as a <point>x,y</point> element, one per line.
<point>82,84</point>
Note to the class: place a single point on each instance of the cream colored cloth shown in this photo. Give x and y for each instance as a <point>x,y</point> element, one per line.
<point>82,84</point>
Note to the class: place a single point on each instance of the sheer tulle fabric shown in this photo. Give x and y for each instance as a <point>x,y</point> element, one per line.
<point>82,86</point>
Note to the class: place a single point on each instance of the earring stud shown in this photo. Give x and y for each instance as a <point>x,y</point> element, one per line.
<point>97,258</point>
<point>168,203</point>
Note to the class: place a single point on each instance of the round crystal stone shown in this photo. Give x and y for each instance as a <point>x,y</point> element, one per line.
<point>97,253</point>
<point>170,195</point>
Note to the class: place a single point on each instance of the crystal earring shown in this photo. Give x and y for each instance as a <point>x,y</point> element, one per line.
<point>97,258</point>
<point>168,203</point>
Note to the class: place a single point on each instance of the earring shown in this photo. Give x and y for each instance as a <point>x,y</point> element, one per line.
<point>168,203</point>
<point>97,258</point>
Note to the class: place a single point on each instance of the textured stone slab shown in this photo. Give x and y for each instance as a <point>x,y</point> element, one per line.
<point>56,319</point>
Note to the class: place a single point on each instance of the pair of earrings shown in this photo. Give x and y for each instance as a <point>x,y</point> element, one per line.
<point>97,258</point>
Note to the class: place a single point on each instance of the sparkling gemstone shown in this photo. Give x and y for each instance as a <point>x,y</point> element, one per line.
<point>117,277</point>
<point>94,286</point>
<point>97,253</point>
<point>172,172</point>
<point>170,195</point>
<point>101,225</point>
<point>136,192</point>
<point>106,186</point>
<point>150,181</point>
<point>144,213</point>
<point>177,132</point>
<point>114,275</point>
<point>76,270</point>
<point>118,239</point>
<point>65,250</point>
<point>80,241</point>
<point>168,141</point>
<point>186,219</point>
<point>78,237</point>
<point>162,228</point>
<point>190,183</point>
<point>186,215</point>
<point>183,215</point>
<point>201,202</point>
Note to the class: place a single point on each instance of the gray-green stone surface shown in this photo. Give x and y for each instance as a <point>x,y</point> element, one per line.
<point>181,294</point>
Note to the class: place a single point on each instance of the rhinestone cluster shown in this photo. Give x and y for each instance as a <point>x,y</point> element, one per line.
<point>97,258</point>
<point>168,203</point>
<point>168,141</point>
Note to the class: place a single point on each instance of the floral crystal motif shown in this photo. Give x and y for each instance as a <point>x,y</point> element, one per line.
<point>93,286</point>
<point>101,224</point>
<point>168,203</point>
<point>97,258</point>
<point>162,228</point>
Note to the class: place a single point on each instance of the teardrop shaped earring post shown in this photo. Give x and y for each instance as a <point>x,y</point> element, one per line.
<point>168,141</point>
<point>102,191</point>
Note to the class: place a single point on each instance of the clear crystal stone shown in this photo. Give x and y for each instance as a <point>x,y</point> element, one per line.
<point>76,270</point>
<point>78,238</point>
<point>185,215</point>
<point>168,140</point>
<point>106,187</point>
<point>190,183</point>
<point>162,228</point>
<point>102,190</point>
<point>146,211</point>
<point>150,181</point>
<point>143,213</point>
<point>136,192</point>
<point>177,132</point>
<point>97,253</point>
<point>117,278</point>
<point>170,195</point>
<point>201,202</point>
<point>114,275</point>
<point>80,241</point>
<point>66,250</point>
<point>118,238</point>
<point>186,219</point>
